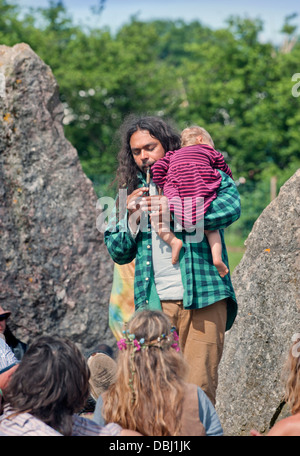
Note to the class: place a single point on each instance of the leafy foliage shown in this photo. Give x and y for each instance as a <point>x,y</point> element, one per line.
<point>226,80</point>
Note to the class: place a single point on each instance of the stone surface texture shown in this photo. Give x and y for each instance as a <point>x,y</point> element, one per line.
<point>267,285</point>
<point>55,272</point>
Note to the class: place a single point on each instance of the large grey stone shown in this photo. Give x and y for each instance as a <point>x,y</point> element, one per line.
<point>55,272</point>
<point>267,285</point>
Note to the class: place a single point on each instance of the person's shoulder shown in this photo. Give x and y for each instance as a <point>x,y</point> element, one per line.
<point>289,426</point>
<point>3,343</point>
<point>203,400</point>
<point>128,432</point>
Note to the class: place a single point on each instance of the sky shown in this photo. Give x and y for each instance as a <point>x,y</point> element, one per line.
<point>212,13</point>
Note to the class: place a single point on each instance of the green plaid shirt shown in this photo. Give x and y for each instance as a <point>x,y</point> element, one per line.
<point>201,281</point>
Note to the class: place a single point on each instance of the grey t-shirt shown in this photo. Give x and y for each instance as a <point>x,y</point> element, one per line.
<point>167,276</point>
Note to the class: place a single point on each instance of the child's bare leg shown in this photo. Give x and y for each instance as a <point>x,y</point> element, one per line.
<point>214,240</point>
<point>174,243</point>
<point>164,232</point>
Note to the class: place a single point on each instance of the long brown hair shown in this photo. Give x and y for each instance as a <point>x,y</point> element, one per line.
<point>127,172</point>
<point>291,375</point>
<point>148,393</point>
<point>51,383</point>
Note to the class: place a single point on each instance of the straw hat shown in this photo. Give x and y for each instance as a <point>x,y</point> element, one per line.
<point>103,373</point>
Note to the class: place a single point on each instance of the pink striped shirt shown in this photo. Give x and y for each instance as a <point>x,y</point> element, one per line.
<point>190,179</point>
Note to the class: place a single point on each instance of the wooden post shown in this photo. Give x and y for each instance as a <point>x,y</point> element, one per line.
<point>273,188</point>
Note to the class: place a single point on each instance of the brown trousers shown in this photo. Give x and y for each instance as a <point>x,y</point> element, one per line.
<point>201,338</point>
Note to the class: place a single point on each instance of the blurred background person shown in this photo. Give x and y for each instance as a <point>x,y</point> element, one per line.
<point>45,393</point>
<point>18,347</point>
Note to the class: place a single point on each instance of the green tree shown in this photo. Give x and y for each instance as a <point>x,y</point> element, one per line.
<point>226,80</point>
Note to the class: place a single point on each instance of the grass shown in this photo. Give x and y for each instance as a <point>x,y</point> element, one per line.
<point>235,248</point>
<point>234,258</point>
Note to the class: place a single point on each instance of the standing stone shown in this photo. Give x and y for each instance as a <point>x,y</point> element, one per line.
<point>267,285</point>
<point>55,272</point>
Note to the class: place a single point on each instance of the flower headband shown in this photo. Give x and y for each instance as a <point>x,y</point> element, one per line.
<point>130,340</point>
<point>138,345</point>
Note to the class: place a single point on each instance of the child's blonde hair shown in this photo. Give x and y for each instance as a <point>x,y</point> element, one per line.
<point>189,135</point>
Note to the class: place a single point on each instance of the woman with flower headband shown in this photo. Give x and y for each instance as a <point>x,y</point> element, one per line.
<point>150,394</point>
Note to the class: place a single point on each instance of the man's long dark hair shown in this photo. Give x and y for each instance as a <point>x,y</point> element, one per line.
<point>127,172</point>
<point>51,383</point>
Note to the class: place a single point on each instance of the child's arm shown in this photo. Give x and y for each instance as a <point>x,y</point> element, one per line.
<point>219,163</point>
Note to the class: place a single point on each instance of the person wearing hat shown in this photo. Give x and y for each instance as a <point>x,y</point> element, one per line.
<point>4,314</point>
<point>8,364</point>
<point>18,347</point>
<point>7,357</point>
<point>103,371</point>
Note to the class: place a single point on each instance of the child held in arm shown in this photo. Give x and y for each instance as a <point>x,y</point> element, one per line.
<point>191,172</point>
